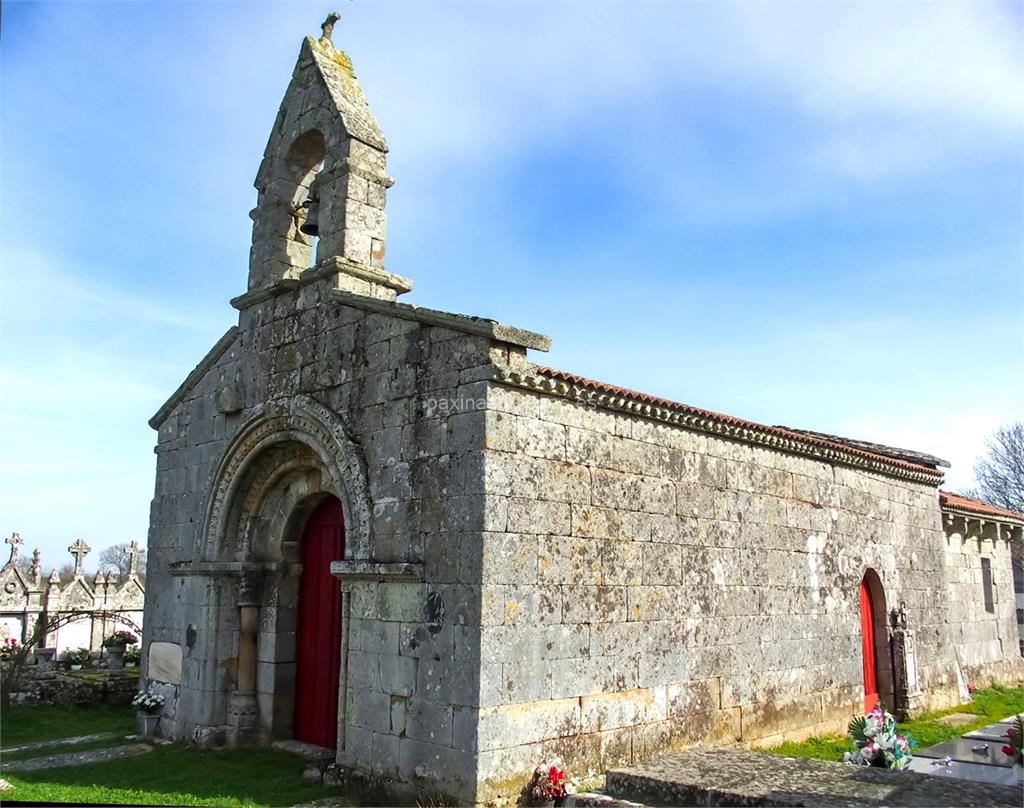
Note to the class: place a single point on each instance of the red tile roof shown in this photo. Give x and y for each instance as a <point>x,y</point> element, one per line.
<point>958,502</point>
<point>812,439</point>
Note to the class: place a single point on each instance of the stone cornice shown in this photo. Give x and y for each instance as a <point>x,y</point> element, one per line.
<point>968,508</point>
<point>224,569</point>
<point>193,378</point>
<point>632,403</point>
<point>443,319</point>
<point>254,296</point>
<point>337,265</point>
<point>978,516</point>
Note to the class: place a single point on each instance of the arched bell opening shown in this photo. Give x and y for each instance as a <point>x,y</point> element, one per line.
<point>284,220</point>
<point>876,652</point>
<point>305,159</point>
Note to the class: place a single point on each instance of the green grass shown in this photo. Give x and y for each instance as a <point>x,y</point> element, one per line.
<point>176,775</point>
<point>990,705</point>
<point>169,775</point>
<point>20,725</point>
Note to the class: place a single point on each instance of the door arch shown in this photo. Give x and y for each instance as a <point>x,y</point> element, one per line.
<point>318,631</point>
<point>876,656</point>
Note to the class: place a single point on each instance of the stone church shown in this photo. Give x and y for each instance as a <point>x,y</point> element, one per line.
<point>386,530</point>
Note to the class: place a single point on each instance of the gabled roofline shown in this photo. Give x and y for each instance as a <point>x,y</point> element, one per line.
<point>479,326</point>
<point>193,378</point>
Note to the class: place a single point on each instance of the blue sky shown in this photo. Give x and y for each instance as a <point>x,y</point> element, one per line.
<point>807,214</point>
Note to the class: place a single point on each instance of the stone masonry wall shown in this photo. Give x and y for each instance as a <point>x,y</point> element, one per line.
<point>647,587</point>
<point>986,641</point>
<point>412,647</point>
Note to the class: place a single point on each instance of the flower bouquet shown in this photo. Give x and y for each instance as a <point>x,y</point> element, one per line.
<point>76,658</point>
<point>877,743</point>
<point>131,656</point>
<point>8,649</point>
<point>1014,748</point>
<point>148,702</point>
<point>550,783</point>
<point>120,638</point>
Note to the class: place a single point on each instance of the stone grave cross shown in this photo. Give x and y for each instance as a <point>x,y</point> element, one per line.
<point>79,550</point>
<point>14,541</point>
<point>133,557</point>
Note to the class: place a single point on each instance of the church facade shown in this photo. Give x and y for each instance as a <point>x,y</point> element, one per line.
<point>385,530</point>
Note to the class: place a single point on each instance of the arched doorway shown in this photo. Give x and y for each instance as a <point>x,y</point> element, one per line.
<point>318,633</point>
<point>874,636</point>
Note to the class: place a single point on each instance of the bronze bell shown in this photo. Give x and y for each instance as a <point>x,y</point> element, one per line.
<point>311,227</point>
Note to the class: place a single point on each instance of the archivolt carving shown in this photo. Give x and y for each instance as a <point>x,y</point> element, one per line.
<point>241,474</point>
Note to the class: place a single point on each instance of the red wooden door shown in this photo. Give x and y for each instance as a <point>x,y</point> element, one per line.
<point>318,636</point>
<point>867,639</point>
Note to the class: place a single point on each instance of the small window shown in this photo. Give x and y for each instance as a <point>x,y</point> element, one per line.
<point>986,582</point>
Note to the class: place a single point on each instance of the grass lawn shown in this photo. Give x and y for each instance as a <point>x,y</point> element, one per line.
<point>990,705</point>
<point>169,775</point>
<point>21,725</point>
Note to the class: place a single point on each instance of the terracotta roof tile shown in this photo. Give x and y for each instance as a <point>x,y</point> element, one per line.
<point>813,439</point>
<point>958,502</point>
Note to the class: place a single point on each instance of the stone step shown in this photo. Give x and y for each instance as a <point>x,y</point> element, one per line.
<point>742,777</point>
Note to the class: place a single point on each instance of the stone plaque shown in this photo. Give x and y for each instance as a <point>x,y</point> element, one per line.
<point>165,662</point>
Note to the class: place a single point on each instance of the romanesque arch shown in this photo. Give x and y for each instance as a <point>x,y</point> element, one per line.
<point>288,454</point>
<point>280,467</point>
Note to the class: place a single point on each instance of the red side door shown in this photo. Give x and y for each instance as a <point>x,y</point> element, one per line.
<point>318,636</point>
<point>867,638</point>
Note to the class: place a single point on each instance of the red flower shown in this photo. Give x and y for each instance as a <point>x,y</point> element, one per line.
<point>1008,751</point>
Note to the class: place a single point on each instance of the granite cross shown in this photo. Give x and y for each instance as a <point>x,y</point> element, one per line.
<point>79,550</point>
<point>328,26</point>
<point>133,556</point>
<point>14,541</point>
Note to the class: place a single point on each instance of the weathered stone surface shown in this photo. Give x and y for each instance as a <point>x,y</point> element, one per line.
<point>739,777</point>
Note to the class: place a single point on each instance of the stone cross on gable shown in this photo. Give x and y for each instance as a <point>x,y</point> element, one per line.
<point>133,557</point>
<point>79,550</point>
<point>14,541</point>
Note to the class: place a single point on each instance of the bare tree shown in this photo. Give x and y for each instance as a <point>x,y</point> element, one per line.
<point>67,572</point>
<point>1000,472</point>
<point>117,558</point>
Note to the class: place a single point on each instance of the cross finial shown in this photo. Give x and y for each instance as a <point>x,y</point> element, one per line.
<point>328,26</point>
<point>79,550</point>
<point>133,557</point>
<point>14,541</point>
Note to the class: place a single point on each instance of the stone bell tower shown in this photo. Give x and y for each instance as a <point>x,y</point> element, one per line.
<point>322,184</point>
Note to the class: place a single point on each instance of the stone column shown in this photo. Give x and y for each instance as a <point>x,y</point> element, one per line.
<point>243,712</point>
